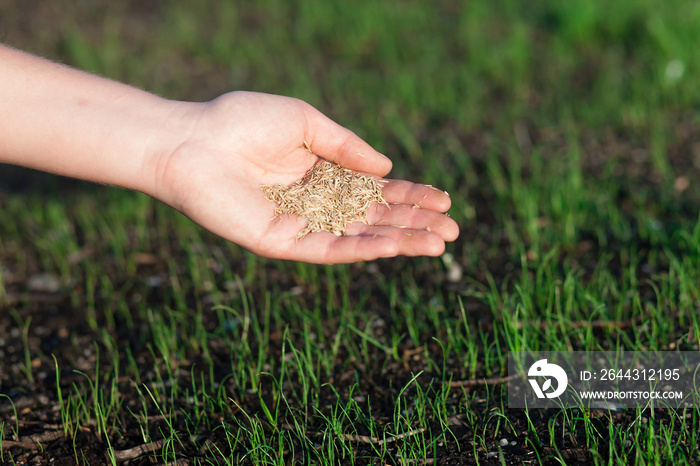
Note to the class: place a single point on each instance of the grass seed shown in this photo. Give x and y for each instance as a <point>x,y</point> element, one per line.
<point>329,196</point>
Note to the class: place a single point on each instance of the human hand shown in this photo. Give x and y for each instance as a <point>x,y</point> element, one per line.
<point>207,160</point>
<point>241,141</point>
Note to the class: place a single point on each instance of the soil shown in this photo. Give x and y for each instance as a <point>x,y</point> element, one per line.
<point>41,438</point>
<point>59,329</point>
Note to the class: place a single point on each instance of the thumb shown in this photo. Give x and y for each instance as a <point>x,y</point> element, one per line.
<point>339,145</point>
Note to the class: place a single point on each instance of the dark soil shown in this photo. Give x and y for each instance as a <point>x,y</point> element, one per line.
<point>59,329</point>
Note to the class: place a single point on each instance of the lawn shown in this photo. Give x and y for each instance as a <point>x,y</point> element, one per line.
<point>568,136</point>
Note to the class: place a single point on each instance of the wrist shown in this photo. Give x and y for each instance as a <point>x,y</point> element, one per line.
<point>160,171</point>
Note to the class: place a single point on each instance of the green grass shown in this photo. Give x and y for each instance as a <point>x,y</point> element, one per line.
<point>560,129</point>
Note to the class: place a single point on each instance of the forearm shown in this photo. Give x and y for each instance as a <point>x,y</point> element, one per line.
<point>61,120</point>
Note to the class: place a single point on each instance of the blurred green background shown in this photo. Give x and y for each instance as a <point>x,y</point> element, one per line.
<point>407,75</point>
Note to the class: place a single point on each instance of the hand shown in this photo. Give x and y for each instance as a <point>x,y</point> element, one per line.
<point>207,160</point>
<point>243,140</point>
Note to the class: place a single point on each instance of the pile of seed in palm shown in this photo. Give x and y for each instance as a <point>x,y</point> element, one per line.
<point>328,196</point>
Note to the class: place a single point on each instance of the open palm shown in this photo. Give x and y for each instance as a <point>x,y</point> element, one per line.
<point>244,140</point>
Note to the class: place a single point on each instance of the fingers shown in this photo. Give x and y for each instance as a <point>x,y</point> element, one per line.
<point>394,230</point>
<point>411,242</point>
<point>369,243</point>
<point>363,243</point>
<point>337,144</point>
<point>420,195</point>
<point>326,248</point>
<point>414,218</point>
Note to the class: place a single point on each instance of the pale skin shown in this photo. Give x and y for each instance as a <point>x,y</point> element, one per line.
<point>208,160</point>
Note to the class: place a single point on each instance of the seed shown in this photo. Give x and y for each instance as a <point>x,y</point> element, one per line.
<point>328,196</point>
